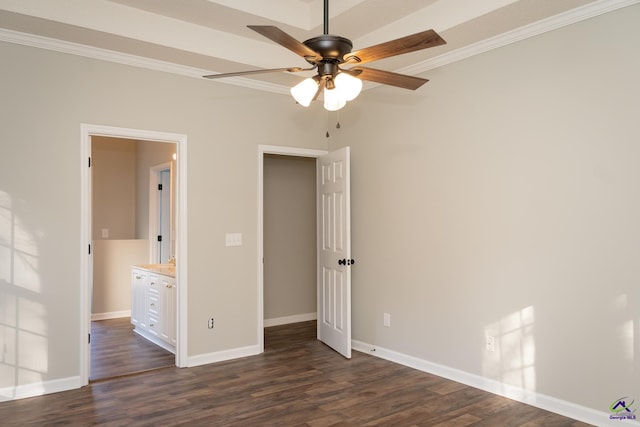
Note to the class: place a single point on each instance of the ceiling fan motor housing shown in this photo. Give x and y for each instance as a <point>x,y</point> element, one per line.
<point>331,48</point>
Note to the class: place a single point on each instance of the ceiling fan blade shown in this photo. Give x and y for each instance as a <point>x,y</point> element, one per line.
<point>260,71</point>
<point>277,35</point>
<point>321,85</point>
<point>387,77</point>
<point>418,41</point>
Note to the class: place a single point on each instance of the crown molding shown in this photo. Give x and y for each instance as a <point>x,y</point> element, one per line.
<point>552,23</point>
<point>71,48</point>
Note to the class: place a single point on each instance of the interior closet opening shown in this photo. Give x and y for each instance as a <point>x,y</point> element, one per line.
<point>290,241</point>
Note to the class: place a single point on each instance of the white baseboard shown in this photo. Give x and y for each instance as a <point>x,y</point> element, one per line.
<point>548,403</point>
<point>38,389</point>
<point>221,356</point>
<point>277,321</point>
<point>110,315</point>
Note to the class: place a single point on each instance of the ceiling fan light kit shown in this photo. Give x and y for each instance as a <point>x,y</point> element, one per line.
<point>348,85</point>
<point>344,87</point>
<point>327,52</point>
<point>305,91</point>
<point>332,100</point>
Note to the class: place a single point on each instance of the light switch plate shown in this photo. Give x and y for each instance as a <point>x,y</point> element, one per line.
<point>105,233</point>
<point>233,239</point>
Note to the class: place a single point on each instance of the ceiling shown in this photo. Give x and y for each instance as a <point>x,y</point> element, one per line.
<point>196,37</point>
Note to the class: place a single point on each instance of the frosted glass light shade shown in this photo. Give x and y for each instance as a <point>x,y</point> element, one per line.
<point>333,99</point>
<point>304,91</point>
<point>348,85</point>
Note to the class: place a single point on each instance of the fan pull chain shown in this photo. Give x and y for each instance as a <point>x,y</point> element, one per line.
<point>327,134</point>
<point>338,126</point>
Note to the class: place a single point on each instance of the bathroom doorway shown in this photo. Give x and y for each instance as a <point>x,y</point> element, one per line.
<point>124,199</point>
<point>87,264</point>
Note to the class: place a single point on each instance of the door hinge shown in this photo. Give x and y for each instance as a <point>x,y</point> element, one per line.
<point>89,161</point>
<point>159,238</point>
<point>89,249</point>
<point>89,338</point>
<point>159,187</point>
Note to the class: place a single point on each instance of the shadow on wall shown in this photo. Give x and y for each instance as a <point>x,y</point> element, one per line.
<point>23,326</point>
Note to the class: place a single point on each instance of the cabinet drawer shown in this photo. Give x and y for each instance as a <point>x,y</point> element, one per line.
<point>154,284</point>
<point>154,305</point>
<point>154,324</point>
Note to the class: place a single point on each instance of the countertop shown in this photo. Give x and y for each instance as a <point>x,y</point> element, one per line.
<point>164,269</point>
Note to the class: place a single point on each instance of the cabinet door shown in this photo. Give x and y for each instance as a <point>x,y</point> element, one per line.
<point>138,293</point>
<point>168,307</point>
<point>173,317</point>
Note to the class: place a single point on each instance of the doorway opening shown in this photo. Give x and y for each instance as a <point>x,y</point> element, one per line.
<point>128,191</point>
<point>290,240</point>
<point>95,236</point>
<point>162,213</point>
<point>275,305</point>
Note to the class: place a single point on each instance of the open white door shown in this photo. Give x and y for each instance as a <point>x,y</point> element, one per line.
<point>334,257</point>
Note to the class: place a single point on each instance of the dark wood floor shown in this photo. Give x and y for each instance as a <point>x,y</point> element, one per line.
<point>116,350</point>
<point>297,381</point>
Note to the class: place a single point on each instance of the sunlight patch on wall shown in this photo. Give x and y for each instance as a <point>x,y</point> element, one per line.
<point>625,336</point>
<point>513,359</point>
<point>24,341</point>
<point>32,317</point>
<point>6,237</point>
<point>20,249</point>
<point>625,332</point>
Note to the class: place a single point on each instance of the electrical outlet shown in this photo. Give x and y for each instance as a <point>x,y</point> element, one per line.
<point>491,343</point>
<point>386,320</point>
<point>210,324</point>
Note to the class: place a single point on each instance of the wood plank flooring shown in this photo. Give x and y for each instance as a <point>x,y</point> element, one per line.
<point>297,381</point>
<point>116,350</point>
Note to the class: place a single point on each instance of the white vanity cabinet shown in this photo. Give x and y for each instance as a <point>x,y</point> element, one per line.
<point>138,291</point>
<point>153,304</point>
<point>168,303</point>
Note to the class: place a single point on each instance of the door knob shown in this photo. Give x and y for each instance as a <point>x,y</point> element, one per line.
<point>346,261</point>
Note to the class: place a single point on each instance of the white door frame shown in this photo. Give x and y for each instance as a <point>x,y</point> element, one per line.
<point>86,277</point>
<point>282,151</point>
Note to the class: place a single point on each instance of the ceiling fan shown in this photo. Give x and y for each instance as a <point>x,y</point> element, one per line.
<point>328,53</point>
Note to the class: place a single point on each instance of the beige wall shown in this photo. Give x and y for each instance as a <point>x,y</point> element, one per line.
<point>120,179</point>
<point>289,236</point>
<point>148,154</point>
<point>114,187</point>
<point>502,197</point>
<point>120,182</point>
<point>39,272</point>
<point>112,261</point>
